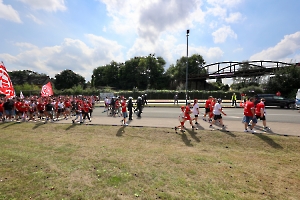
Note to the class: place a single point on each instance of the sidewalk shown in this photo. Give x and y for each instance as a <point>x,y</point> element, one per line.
<point>284,129</point>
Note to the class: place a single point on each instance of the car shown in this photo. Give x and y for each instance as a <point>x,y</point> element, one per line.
<point>274,100</point>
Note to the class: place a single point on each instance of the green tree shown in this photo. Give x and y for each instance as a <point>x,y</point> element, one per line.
<point>286,80</point>
<point>68,79</point>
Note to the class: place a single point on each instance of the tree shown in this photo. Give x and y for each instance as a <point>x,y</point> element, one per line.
<point>68,79</point>
<point>286,80</point>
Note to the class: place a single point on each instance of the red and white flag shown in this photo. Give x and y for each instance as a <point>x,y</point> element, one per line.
<point>47,90</point>
<point>6,86</point>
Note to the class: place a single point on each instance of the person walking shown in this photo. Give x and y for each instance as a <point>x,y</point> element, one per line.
<point>196,111</point>
<point>181,118</point>
<point>187,115</point>
<point>130,107</point>
<point>207,108</point>
<point>260,113</point>
<point>218,114</point>
<point>124,112</point>
<point>176,99</point>
<point>233,100</point>
<point>249,114</point>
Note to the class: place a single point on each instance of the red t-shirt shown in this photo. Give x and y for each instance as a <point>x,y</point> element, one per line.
<point>248,107</point>
<point>86,107</point>
<point>41,106</point>
<point>123,104</point>
<point>67,104</point>
<point>1,107</point>
<point>258,108</point>
<point>211,106</point>
<point>187,111</point>
<point>207,103</point>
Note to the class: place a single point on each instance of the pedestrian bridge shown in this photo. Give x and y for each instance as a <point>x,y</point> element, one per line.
<point>231,69</point>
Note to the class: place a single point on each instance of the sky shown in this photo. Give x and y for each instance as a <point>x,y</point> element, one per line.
<point>49,36</point>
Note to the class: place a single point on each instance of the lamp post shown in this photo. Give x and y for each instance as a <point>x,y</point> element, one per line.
<point>187,66</point>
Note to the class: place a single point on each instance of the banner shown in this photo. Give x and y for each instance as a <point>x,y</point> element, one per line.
<point>47,90</point>
<point>21,95</point>
<point>6,86</point>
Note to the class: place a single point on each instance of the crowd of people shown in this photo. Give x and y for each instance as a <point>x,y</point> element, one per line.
<point>213,114</point>
<point>47,109</point>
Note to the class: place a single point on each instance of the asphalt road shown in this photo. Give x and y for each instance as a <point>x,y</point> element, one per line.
<point>233,114</point>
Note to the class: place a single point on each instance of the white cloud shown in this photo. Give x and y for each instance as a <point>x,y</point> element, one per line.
<point>70,54</point>
<point>234,18</point>
<point>8,13</point>
<point>238,49</point>
<point>36,20</point>
<point>289,45</point>
<point>221,34</point>
<point>228,3</point>
<point>48,5</point>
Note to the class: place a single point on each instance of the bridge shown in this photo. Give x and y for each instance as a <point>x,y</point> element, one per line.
<point>231,69</point>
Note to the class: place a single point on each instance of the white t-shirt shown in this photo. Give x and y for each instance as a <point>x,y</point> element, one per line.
<point>181,117</point>
<point>217,108</point>
<point>196,109</point>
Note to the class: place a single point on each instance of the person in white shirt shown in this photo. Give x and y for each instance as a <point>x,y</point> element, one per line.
<point>196,111</point>
<point>218,114</point>
<point>181,118</point>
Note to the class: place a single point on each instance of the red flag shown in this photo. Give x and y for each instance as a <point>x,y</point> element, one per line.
<point>6,86</point>
<point>47,90</point>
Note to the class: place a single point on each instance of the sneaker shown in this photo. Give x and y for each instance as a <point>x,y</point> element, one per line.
<point>121,121</point>
<point>266,128</point>
<point>196,123</point>
<point>175,128</point>
<point>252,131</point>
<point>210,126</point>
<point>204,119</point>
<point>125,124</point>
<point>73,121</point>
<point>223,127</point>
<point>246,131</point>
<point>193,127</point>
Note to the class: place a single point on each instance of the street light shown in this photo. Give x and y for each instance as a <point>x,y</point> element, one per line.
<point>187,66</point>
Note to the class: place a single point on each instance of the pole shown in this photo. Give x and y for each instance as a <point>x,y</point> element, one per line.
<point>187,66</point>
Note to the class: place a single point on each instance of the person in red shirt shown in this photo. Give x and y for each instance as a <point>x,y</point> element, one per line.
<point>260,113</point>
<point>85,111</point>
<point>211,108</point>
<point>207,108</point>
<point>41,108</point>
<point>249,115</point>
<point>187,116</point>
<point>124,111</point>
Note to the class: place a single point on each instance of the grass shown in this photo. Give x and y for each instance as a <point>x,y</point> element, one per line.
<point>56,161</point>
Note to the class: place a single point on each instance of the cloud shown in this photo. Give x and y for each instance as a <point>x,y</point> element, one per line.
<point>151,18</point>
<point>48,5</point>
<point>227,3</point>
<point>221,34</point>
<point>70,54</point>
<point>289,45</point>
<point>36,20</point>
<point>234,18</point>
<point>8,13</point>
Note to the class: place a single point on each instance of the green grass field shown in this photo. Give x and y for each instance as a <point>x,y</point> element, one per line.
<point>55,161</point>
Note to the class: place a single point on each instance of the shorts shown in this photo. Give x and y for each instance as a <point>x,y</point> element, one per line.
<point>125,115</point>
<point>216,117</point>
<point>196,115</point>
<point>187,117</point>
<point>41,111</point>
<point>261,118</point>
<point>1,114</point>
<point>207,110</point>
<point>9,112</point>
<point>247,119</point>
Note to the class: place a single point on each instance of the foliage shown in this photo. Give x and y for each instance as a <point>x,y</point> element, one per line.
<point>27,89</point>
<point>68,79</point>
<point>286,80</point>
<point>22,77</point>
<point>177,73</point>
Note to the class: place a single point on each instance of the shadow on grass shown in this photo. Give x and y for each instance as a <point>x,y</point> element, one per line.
<point>193,134</point>
<point>37,125</point>
<point>186,141</point>
<point>269,141</point>
<point>121,131</point>
<point>72,126</point>
<point>225,131</point>
<point>8,124</point>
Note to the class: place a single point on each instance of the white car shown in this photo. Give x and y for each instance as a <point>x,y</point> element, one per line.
<point>298,99</point>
